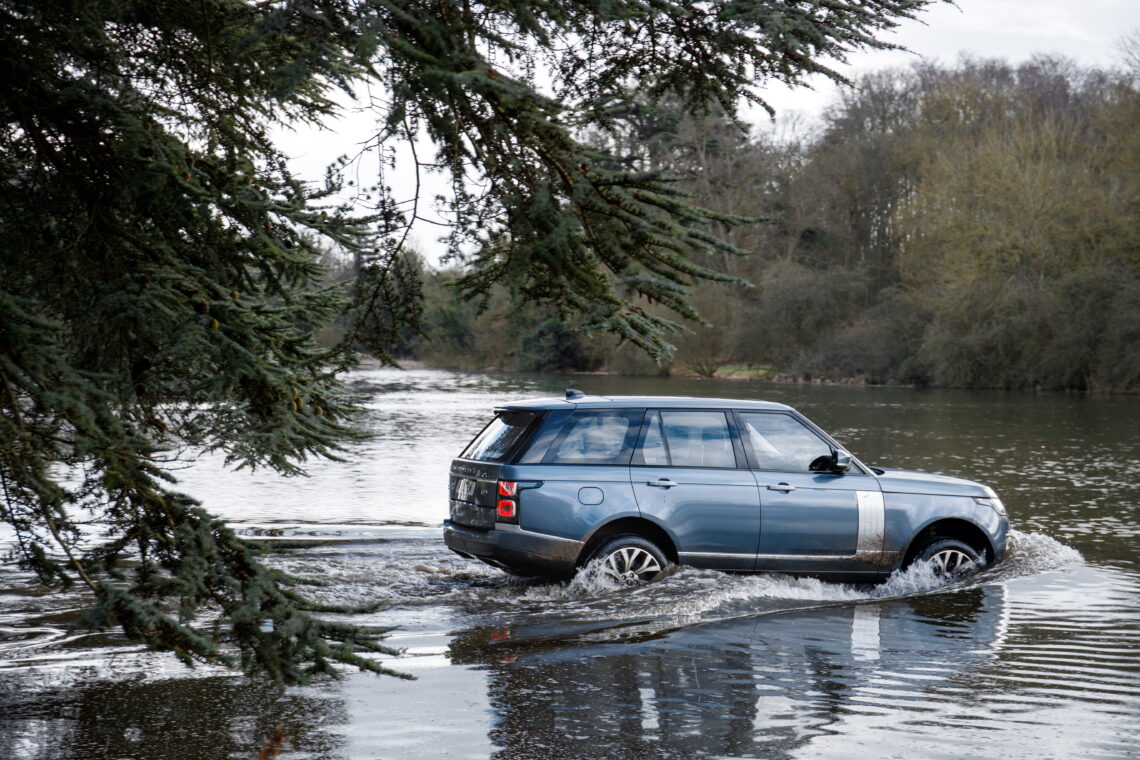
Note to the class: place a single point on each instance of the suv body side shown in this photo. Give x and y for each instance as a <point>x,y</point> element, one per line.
<point>701,478</point>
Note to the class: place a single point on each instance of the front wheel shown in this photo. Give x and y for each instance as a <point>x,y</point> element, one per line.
<point>630,560</point>
<point>951,558</point>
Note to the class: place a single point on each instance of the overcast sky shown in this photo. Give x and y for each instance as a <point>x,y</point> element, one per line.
<point>1087,31</point>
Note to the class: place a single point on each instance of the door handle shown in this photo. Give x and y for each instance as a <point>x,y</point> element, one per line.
<point>662,483</point>
<point>782,487</point>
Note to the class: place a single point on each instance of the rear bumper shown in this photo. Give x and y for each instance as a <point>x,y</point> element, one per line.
<point>514,549</point>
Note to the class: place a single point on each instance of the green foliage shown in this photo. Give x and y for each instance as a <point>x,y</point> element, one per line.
<point>795,306</point>
<point>461,333</point>
<point>158,291</point>
<point>1117,363</point>
<point>386,316</point>
<point>877,346</point>
<point>553,346</point>
<point>504,334</point>
<point>1019,230</point>
<point>1010,335</point>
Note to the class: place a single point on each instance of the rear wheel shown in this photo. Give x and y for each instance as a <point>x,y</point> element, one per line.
<point>630,560</point>
<point>951,558</point>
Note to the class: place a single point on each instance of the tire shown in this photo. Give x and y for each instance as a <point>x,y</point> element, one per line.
<point>951,558</point>
<point>629,560</point>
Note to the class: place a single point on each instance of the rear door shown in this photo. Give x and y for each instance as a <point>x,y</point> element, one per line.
<point>690,475</point>
<point>809,521</point>
<point>582,461</point>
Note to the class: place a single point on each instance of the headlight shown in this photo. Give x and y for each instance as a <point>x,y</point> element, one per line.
<point>994,503</point>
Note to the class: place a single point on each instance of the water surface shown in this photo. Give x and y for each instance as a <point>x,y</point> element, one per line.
<point>1039,657</point>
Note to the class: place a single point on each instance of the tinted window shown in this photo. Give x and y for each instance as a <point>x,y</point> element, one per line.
<point>539,446</point>
<point>497,439</point>
<point>781,442</point>
<point>652,449</point>
<point>596,438</point>
<point>687,439</point>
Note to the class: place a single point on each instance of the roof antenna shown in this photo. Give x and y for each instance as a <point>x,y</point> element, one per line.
<point>573,394</point>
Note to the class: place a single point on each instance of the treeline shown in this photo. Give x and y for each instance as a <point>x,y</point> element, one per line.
<point>971,226</point>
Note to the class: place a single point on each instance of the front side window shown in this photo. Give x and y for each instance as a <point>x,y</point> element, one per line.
<point>596,437</point>
<point>781,442</point>
<point>686,439</point>
<point>497,439</point>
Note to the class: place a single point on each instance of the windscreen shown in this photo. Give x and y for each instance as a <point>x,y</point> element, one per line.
<point>499,437</point>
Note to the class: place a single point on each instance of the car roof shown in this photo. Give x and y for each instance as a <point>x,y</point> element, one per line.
<point>654,402</point>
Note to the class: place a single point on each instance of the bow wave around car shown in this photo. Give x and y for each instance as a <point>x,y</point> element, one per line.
<point>637,483</point>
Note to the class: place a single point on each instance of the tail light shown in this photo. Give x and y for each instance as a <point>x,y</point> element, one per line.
<point>507,505</point>
<point>507,509</point>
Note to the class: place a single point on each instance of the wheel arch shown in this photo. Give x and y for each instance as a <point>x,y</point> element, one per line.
<point>951,527</point>
<point>629,526</point>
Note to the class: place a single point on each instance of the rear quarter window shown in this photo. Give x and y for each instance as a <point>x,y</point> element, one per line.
<point>498,439</point>
<point>596,437</point>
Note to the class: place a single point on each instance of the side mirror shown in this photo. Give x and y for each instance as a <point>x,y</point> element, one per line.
<point>837,463</point>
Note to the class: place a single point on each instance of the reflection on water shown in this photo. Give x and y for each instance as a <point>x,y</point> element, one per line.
<point>768,686</point>
<point>953,669</point>
<point>1037,657</point>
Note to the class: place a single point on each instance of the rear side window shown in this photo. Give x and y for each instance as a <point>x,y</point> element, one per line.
<point>596,437</point>
<point>652,449</point>
<point>687,439</point>
<point>494,444</point>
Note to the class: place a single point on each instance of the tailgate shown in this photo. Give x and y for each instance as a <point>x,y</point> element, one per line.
<point>473,492</point>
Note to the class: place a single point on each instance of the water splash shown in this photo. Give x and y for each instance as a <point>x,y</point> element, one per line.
<point>690,592</point>
<point>1033,553</point>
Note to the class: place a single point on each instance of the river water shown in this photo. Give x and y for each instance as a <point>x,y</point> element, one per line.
<point>1038,657</point>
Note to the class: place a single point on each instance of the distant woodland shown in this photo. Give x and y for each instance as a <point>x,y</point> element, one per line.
<point>967,226</point>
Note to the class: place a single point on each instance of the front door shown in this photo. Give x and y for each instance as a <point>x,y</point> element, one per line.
<point>809,521</point>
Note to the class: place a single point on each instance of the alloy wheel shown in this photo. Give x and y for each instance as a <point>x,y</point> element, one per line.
<point>630,565</point>
<point>949,562</point>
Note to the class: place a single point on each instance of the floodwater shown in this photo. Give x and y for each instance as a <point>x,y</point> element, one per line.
<point>1038,657</point>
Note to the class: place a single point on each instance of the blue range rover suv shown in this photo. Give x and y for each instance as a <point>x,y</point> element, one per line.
<point>637,483</point>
